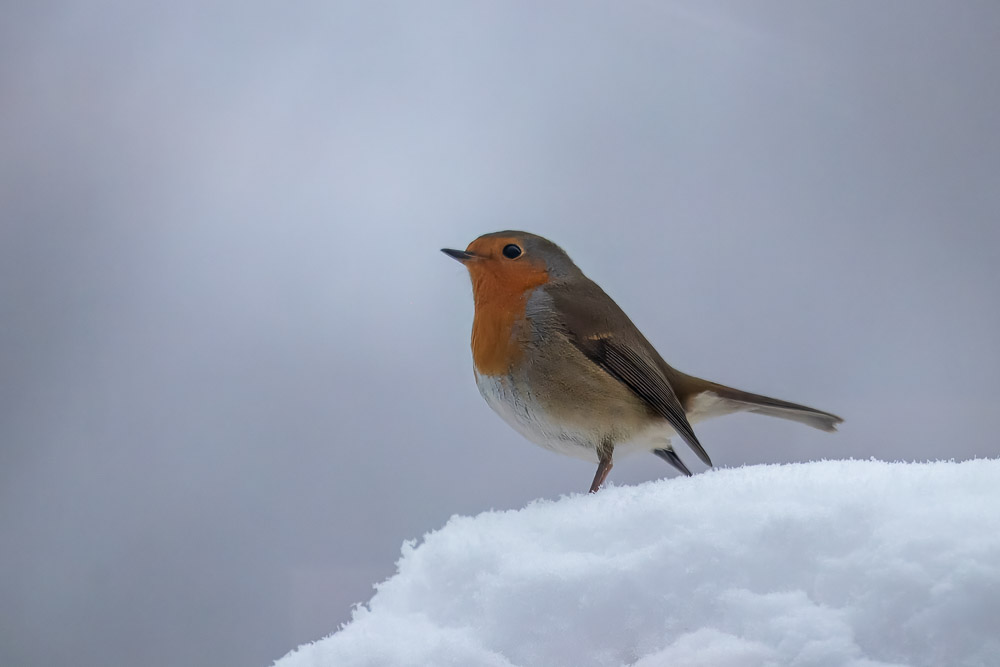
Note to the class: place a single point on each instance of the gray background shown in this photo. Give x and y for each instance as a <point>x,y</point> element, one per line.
<point>234,367</point>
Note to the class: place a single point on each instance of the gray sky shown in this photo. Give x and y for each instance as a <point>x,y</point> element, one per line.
<point>234,367</point>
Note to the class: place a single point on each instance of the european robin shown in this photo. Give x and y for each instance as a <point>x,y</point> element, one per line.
<point>560,362</point>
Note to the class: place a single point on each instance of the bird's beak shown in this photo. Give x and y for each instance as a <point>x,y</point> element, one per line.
<point>460,255</point>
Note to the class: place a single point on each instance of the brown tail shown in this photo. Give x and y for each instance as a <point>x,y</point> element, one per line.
<point>703,399</point>
<point>773,407</point>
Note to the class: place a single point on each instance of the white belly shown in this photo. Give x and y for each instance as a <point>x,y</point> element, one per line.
<point>515,404</point>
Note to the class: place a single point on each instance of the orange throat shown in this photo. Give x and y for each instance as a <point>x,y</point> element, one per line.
<point>499,329</point>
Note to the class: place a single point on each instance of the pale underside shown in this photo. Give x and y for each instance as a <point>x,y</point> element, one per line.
<point>580,439</point>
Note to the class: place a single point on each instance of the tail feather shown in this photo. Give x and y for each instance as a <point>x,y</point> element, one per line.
<point>773,407</point>
<point>703,399</point>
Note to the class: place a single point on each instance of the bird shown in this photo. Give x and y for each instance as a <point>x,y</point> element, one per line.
<point>562,363</point>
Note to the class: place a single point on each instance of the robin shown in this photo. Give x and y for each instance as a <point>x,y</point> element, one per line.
<point>560,362</point>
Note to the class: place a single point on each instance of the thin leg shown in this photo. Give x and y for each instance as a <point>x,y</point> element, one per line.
<point>670,456</point>
<point>603,468</point>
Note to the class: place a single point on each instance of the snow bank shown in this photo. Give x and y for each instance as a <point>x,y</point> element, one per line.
<point>821,564</point>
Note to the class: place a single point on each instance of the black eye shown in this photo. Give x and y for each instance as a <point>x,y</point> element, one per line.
<point>511,251</point>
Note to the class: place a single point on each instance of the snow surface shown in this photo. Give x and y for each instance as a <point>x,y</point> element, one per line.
<point>858,563</point>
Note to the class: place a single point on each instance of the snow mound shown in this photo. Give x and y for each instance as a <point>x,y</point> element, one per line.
<point>835,563</point>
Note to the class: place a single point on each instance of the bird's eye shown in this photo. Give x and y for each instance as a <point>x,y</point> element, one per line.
<point>511,251</point>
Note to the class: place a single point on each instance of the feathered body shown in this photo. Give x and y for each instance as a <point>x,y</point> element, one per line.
<point>560,362</point>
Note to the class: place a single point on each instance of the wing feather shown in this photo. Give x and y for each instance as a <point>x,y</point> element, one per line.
<point>648,383</point>
<point>602,332</point>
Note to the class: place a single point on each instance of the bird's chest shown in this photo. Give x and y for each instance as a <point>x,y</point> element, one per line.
<point>500,332</point>
<point>509,354</point>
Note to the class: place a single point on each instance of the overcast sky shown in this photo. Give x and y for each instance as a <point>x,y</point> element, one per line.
<point>234,367</point>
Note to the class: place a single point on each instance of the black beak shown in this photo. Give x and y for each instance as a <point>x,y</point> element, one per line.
<point>460,255</point>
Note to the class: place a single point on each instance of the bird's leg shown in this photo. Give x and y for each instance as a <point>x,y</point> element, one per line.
<point>670,456</point>
<point>603,468</point>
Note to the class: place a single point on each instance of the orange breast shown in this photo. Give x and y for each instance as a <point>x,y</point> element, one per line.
<point>498,331</point>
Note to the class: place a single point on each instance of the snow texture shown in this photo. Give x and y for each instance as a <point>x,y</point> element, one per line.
<point>835,563</point>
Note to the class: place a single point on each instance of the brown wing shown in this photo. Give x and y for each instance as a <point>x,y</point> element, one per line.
<point>602,331</point>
